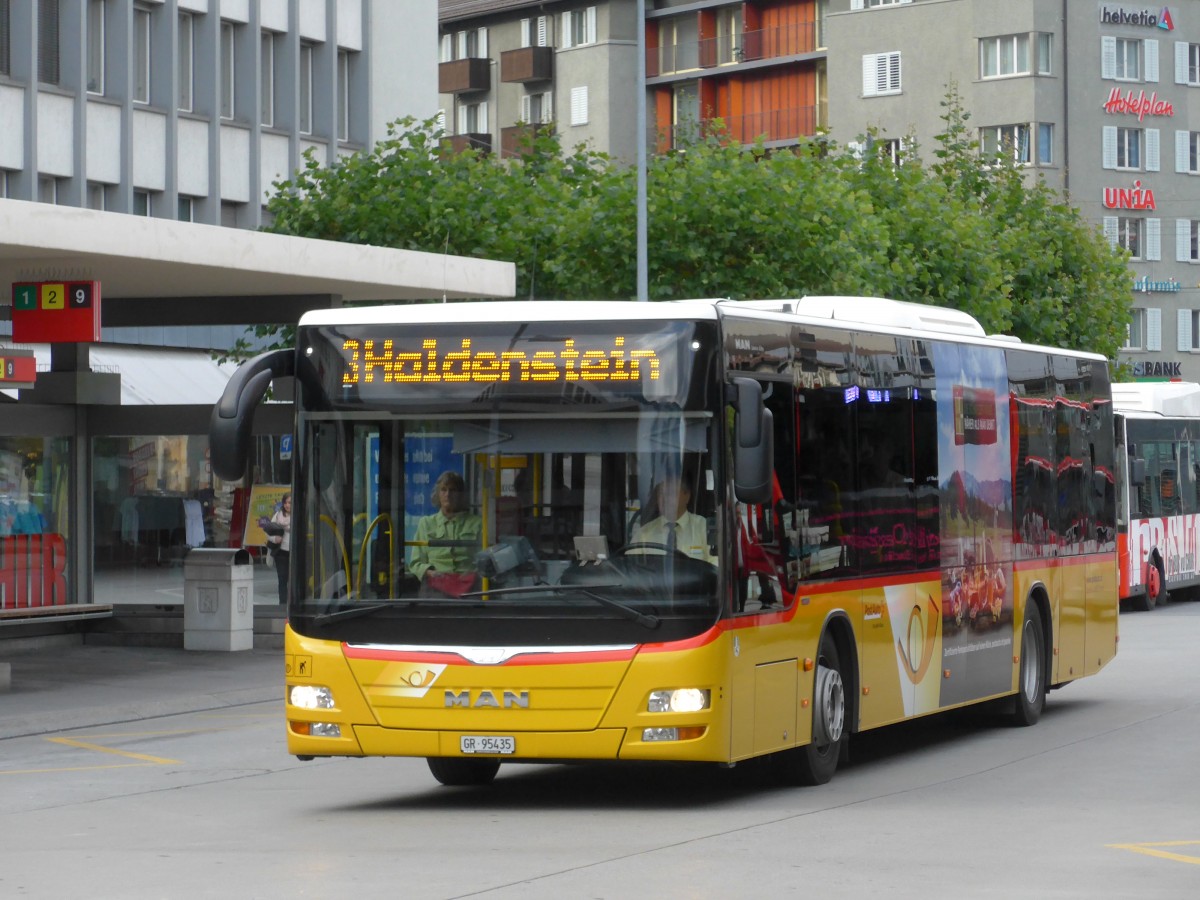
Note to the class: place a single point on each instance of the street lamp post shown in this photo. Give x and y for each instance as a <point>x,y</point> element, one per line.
<point>643,290</point>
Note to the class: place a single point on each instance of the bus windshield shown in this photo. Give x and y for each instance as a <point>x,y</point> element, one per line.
<point>512,514</point>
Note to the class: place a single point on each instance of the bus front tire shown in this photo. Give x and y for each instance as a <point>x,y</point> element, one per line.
<point>816,762</point>
<point>455,772</point>
<point>1156,586</point>
<point>1031,672</point>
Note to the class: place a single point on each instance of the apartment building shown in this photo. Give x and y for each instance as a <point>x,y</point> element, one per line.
<point>506,65</point>
<point>1102,99</point>
<point>193,109</point>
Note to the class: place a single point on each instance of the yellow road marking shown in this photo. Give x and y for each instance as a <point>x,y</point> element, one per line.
<point>70,769</point>
<point>1152,850</point>
<point>156,760</point>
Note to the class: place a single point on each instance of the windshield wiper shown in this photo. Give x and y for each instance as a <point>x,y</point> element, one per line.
<point>350,612</point>
<point>643,619</point>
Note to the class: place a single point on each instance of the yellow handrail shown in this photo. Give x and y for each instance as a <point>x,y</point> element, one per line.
<point>341,546</point>
<point>362,553</point>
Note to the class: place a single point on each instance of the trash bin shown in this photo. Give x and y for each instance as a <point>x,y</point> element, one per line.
<point>218,599</point>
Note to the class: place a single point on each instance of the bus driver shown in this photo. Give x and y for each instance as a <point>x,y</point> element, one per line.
<point>446,541</point>
<point>675,527</point>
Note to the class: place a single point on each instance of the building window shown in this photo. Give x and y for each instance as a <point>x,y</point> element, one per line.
<point>1140,237</point>
<point>48,71</point>
<point>537,109</point>
<point>1045,144</point>
<point>1187,240</point>
<point>230,212</point>
<point>1045,53</point>
<point>343,93</point>
<point>97,195</point>
<point>228,70</point>
<point>881,74</point>
<point>267,82</point>
<point>871,4</point>
<point>142,205</point>
<point>1187,64</point>
<point>186,209</point>
<point>5,63</point>
<point>1135,331</point>
<point>473,118</point>
<point>3,172</point>
<point>306,88</point>
<point>1122,59</point>
<point>1187,152</point>
<point>535,32</point>
<point>1122,148</point>
<point>186,43</point>
<point>471,44</point>
<point>579,105</point>
<point>1193,331</point>
<point>579,27</point>
<point>1007,140</point>
<point>730,28</point>
<point>95,46</point>
<point>1002,56</point>
<point>141,55</point>
<point>47,189</point>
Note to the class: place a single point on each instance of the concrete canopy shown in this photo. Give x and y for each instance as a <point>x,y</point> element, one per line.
<point>206,274</point>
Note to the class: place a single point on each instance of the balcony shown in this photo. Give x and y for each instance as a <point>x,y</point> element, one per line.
<point>526,65</point>
<point>464,75</point>
<point>773,127</point>
<point>731,50</point>
<point>518,140</point>
<point>457,143</point>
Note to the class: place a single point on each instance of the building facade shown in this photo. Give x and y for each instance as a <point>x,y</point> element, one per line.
<point>193,109</point>
<point>751,69</point>
<point>1102,99</point>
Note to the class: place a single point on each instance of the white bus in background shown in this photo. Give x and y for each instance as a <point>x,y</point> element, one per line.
<point>1158,512</point>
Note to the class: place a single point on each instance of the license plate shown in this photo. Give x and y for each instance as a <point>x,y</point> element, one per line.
<point>487,743</point>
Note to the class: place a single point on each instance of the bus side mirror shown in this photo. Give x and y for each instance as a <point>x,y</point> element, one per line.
<point>753,443</point>
<point>233,415</point>
<point>1137,471</point>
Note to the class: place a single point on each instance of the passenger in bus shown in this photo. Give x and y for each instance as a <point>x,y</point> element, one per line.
<point>446,542</point>
<point>675,527</point>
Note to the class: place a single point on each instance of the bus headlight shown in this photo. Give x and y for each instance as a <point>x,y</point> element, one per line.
<point>308,696</point>
<point>682,700</point>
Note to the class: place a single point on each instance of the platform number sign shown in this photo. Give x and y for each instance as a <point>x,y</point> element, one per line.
<point>53,312</point>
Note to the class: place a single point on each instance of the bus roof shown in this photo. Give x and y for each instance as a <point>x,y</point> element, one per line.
<point>1158,398</point>
<point>513,311</point>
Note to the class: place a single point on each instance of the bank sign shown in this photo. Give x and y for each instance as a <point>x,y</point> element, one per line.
<point>1145,18</point>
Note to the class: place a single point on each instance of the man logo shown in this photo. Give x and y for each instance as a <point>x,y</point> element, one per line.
<point>488,700</point>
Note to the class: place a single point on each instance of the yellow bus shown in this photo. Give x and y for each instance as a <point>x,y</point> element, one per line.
<point>700,530</point>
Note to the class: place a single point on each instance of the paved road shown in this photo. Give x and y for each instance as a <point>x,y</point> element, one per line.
<point>1101,799</point>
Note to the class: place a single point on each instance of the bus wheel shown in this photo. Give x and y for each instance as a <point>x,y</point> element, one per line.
<point>457,772</point>
<point>1031,675</point>
<point>816,762</point>
<point>1156,586</point>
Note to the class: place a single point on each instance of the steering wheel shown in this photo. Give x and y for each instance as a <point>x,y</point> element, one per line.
<point>650,545</point>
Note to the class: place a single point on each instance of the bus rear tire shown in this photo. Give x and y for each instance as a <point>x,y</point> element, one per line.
<point>1031,671</point>
<point>1156,586</point>
<point>455,772</point>
<point>816,762</point>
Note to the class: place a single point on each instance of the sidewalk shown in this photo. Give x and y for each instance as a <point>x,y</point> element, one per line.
<point>60,688</point>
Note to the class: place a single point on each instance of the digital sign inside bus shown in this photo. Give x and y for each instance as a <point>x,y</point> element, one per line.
<point>466,361</point>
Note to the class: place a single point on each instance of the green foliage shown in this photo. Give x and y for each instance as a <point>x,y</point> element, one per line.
<point>727,220</point>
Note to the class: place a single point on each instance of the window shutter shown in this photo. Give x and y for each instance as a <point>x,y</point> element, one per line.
<point>856,4</point>
<point>481,123</point>
<point>1109,154</point>
<point>547,107</point>
<point>1154,239</point>
<point>527,109</point>
<point>1183,240</point>
<point>870,70</point>
<point>481,47</point>
<point>893,74</point>
<point>461,126</point>
<point>440,121</point>
<point>542,37</point>
<point>1181,62</point>
<point>567,41</point>
<point>447,48</point>
<point>461,50</point>
<point>1184,330</point>
<point>1152,145</point>
<point>1110,230</point>
<point>525,29</point>
<point>1108,57</point>
<point>579,105</point>
<point>589,27</point>
<point>1153,329</point>
<point>1151,48</point>
<point>1182,151</point>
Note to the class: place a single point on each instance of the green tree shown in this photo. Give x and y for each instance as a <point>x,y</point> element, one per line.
<point>737,221</point>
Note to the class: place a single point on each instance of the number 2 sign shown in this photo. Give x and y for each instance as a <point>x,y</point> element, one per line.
<point>56,312</point>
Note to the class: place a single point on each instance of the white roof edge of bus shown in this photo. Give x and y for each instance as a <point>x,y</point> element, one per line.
<point>512,310</point>
<point>1163,398</point>
<point>880,311</point>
